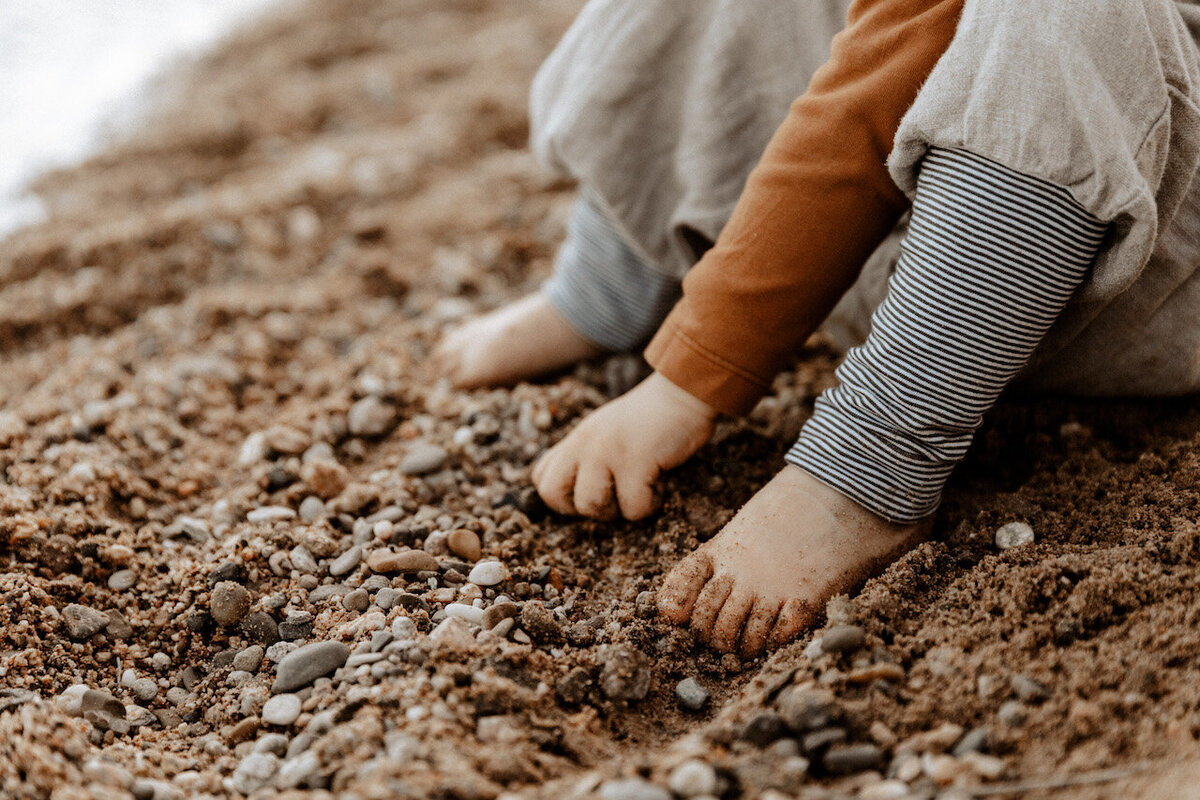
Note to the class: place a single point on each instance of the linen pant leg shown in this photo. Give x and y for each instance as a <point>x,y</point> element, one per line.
<point>1101,98</point>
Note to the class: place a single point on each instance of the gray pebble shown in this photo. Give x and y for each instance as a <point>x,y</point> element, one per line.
<point>250,659</point>
<point>625,674</point>
<point>302,559</point>
<point>82,622</point>
<point>847,759</point>
<point>229,603</point>
<point>386,598</point>
<point>254,771</point>
<point>806,708</point>
<point>843,639</point>
<point>282,710</point>
<point>299,771</point>
<point>1029,690</point>
<point>423,457</point>
<point>691,695</point>
<point>312,509</point>
<point>346,561</point>
<point>762,729</point>
<point>323,593</point>
<point>261,627</point>
<point>1014,534</point>
<point>276,743</point>
<point>298,625</point>
<point>304,665</point>
<point>1011,713</point>
<point>975,741</point>
<point>370,416</point>
<point>122,579</point>
<point>357,600</point>
<point>693,778</point>
<point>632,789</point>
<point>144,689</point>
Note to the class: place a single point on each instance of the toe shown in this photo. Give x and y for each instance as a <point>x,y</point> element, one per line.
<point>758,627</point>
<point>708,605</point>
<point>594,491</point>
<point>682,586</point>
<point>727,630</point>
<point>794,617</point>
<point>557,483</point>
<point>635,494</point>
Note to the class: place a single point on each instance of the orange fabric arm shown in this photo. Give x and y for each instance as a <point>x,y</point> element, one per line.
<point>813,210</point>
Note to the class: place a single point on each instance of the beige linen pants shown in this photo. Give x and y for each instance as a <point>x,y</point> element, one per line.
<point>662,108</point>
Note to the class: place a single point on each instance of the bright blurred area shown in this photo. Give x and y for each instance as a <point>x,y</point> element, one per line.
<point>74,72</point>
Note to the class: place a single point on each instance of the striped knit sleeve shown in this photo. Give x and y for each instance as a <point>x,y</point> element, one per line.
<point>989,262</point>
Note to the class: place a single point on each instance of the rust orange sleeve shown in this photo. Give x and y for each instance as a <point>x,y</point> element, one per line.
<point>813,210</point>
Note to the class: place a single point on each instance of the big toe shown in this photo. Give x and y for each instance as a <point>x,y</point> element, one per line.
<point>682,587</point>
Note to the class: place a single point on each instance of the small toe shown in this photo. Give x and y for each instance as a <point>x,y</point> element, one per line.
<point>759,626</point>
<point>635,494</point>
<point>682,586</point>
<point>794,617</point>
<point>727,630</point>
<point>708,605</point>
<point>557,483</point>
<point>594,492</point>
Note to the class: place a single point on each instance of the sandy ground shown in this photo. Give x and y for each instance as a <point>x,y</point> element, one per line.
<point>219,441</point>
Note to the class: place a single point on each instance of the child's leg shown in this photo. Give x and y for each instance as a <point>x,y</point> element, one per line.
<point>989,262</point>
<point>602,297</point>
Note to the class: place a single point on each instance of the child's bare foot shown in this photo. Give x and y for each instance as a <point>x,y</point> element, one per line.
<point>521,340</point>
<point>767,575</point>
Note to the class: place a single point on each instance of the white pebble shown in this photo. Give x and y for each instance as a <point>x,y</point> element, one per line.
<point>1014,534</point>
<point>270,514</point>
<point>693,778</point>
<point>471,614</point>
<point>282,709</point>
<point>488,573</point>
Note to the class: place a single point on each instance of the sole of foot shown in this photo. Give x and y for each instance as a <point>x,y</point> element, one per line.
<point>525,339</point>
<point>767,575</point>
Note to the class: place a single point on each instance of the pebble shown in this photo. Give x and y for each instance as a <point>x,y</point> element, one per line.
<point>229,603</point>
<point>404,629</point>
<point>299,770</point>
<point>82,622</point>
<point>423,457</point>
<point>357,600</point>
<point>282,710</point>
<point>762,729</point>
<point>806,708</point>
<point>470,613</point>
<point>253,772</point>
<point>261,627</point>
<point>370,416</point>
<point>386,597</point>
<point>311,509</point>
<point>540,623</point>
<point>464,544</point>
<point>405,561</point>
<point>632,789</point>
<point>1014,534</point>
<point>452,633</point>
<point>249,659</point>
<point>691,695</point>
<point>843,639</point>
<point>144,689</point>
<point>496,613</point>
<point>1011,713</point>
<point>693,778</point>
<point>304,665</point>
<point>346,561</point>
<point>488,573</point>
<point>270,514</point>
<point>846,759</point>
<point>101,702</point>
<point>625,674</point>
<point>122,579</point>
<point>1029,690</point>
<point>976,741</point>
<point>886,790</point>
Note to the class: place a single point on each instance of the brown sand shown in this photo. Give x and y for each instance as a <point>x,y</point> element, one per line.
<point>288,235</point>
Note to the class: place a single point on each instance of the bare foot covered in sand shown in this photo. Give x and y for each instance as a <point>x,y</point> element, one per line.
<point>521,340</point>
<point>766,576</point>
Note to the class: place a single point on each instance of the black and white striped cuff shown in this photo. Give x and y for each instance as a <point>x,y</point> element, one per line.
<point>989,262</point>
<point>603,289</point>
